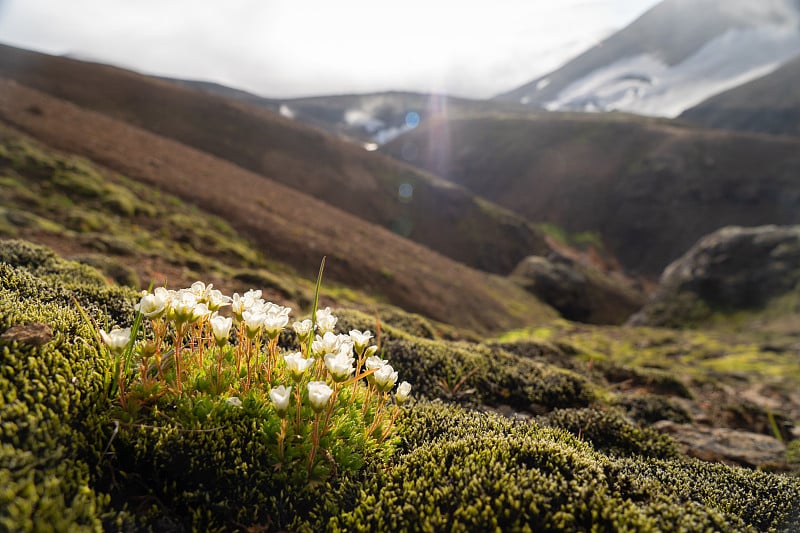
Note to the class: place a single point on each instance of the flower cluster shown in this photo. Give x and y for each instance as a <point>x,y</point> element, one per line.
<point>228,346</point>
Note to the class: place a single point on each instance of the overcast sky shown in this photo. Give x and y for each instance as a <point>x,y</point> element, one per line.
<point>281,48</point>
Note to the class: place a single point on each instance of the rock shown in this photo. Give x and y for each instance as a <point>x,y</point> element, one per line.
<point>725,445</point>
<point>732,269</point>
<point>576,291</point>
<point>33,333</point>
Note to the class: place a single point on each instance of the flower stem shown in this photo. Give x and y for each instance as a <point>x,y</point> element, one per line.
<point>314,443</point>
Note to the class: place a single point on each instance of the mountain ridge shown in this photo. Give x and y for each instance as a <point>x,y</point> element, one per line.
<point>769,104</point>
<point>673,56</point>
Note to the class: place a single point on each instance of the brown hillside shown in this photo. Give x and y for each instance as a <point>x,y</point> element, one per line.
<point>445,218</point>
<point>649,187</point>
<point>285,224</point>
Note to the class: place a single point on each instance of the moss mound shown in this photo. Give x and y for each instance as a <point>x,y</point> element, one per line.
<point>67,463</point>
<point>464,471</point>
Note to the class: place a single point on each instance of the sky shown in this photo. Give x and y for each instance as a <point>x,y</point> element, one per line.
<point>291,48</point>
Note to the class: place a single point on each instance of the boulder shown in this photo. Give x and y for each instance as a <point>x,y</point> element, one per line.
<point>730,270</point>
<point>578,292</point>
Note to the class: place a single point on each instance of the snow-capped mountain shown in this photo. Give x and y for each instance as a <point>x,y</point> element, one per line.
<point>673,57</point>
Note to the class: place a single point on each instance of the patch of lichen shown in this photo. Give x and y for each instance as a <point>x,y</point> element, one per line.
<point>660,355</point>
<point>465,471</point>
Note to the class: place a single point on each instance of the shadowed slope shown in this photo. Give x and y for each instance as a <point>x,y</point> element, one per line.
<point>650,188</point>
<point>282,222</point>
<point>767,105</point>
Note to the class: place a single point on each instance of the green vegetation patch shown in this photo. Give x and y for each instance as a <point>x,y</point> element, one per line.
<point>68,460</point>
<point>464,471</point>
<point>69,197</point>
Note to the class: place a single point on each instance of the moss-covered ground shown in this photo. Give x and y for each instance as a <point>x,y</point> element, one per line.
<point>69,462</point>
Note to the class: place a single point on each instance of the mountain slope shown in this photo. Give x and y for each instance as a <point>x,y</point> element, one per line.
<point>372,186</point>
<point>284,224</point>
<point>770,104</point>
<point>674,56</point>
<point>649,187</point>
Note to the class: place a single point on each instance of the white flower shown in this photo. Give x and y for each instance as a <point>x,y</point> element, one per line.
<point>215,299</point>
<point>360,340</point>
<point>275,309</point>
<point>183,303</point>
<point>153,305</point>
<point>250,301</point>
<point>318,394</point>
<point>302,329</point>
<point>221,327</point>
<point>374,362</point>
<point>274,324</point>
<point>234,401</point>
<point>328,343</point>
<point>200,312</point>
<point>340,365</point>
<point>200,290</point>
<point>385,378</point>
<point>253,321</point>
<point>117,339</point>
<point>296,364</point>
<point>403,391</point>
<point>326,322</point>
<point>280,397</point>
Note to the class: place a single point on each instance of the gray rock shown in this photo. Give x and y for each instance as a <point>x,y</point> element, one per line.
<point>725,445</point>
<point>576,291</point>
<point>33,333</point>
<point>732,269</point>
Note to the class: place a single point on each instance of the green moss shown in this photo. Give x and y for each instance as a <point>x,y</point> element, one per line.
<point>111,268</point>
<point>50,396</point>
<point>468,472</point>
<point>493,376</point>
<point>610,432</point>
<point>648,408</point>
<point>202,464</point>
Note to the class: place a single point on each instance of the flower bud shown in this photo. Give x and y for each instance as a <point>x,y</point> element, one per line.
<point>403,391</point>
<point>385,378</point>
<point>221,327</point>
<point>117,339</point>
<point>280,397</point>
<point>297,365</point>
<point>318,395</point>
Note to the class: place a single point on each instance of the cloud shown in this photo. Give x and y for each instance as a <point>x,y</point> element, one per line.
<point>305,47</point>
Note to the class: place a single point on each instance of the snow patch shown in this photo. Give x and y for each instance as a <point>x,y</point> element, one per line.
<point>377,129</point>
<point>645,85</point>
<point>286,111</point>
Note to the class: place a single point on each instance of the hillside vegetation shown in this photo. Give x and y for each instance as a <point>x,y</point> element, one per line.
<point>648,187</point>
<point>139,220</point>
<point>443,217</point>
